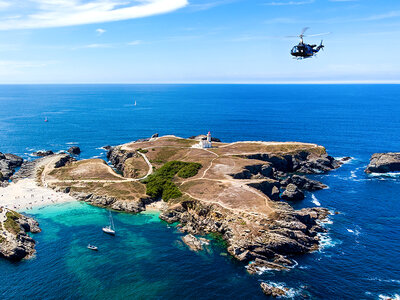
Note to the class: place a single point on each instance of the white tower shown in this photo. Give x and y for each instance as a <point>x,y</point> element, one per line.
<point>209,137</point>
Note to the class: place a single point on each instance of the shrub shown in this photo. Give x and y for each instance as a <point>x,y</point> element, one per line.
<point>142,150</point>
<point>160,183</point>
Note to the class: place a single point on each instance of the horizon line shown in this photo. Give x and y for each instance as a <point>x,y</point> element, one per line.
<point>360,82</point>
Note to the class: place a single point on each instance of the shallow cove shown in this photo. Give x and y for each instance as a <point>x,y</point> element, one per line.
<point>146,259</point>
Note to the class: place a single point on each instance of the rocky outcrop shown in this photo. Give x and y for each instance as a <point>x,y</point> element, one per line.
<point>110,202</point>
<point>192,242</point>
<point>15,243</point>
<point>118,157</point>
<point>303,183</point>
<point>292,193</point>
<point>287,233</point>
<point>43,153</point>
<point>384,163</point>
<point>302,162</point>
<point>269,187</point>
<point>273,291</point>
<point>74,150</point>
<point>8,164</point>
<point>63,161</point>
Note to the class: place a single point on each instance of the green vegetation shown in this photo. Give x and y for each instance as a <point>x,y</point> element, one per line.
<point>1,176</point>
<point>160,183</point>
<point>10,224</point>
<point>142,150</point>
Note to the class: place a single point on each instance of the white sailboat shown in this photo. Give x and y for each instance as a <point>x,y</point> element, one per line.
<point>135,103</point>
<point>110,229</point>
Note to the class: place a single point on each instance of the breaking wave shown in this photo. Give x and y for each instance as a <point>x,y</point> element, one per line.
<point>315,200</point>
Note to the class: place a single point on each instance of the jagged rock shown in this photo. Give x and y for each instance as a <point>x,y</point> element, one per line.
<point>292,193</point>
<point>304,183</point>
<point>43,153</point>
<point>301,162</point>
<point>192,242</point>
<point>260,265</point>
<point>74,150</point>
<point>268,187</point>
<point>154,136</point>
<point>8,163</point>
<point>63,161</point>
<point>17,244</point>
<point>384,163</point>
<point>273,291</point>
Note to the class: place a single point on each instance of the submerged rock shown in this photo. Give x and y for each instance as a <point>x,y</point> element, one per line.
<point>292,193</point>
<point>384,163</point>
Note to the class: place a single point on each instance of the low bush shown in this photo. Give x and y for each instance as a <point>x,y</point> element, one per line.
<point>160,183</point>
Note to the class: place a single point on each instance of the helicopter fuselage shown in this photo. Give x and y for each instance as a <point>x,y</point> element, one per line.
<point>305,50</point>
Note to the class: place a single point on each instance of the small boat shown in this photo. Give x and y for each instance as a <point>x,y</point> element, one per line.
<point>110,229</point>
<point>46,120</point>
<point>91,247</point>
<point>135,103</point>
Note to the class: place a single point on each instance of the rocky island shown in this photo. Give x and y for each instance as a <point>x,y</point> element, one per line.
<point>240,191</point>
<point>384,163</point>
<point>235,190</point>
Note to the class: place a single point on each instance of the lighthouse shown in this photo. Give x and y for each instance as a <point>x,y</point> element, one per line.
<point>206,142</point>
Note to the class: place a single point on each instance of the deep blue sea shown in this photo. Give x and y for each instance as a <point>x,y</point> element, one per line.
<point>360,258</point>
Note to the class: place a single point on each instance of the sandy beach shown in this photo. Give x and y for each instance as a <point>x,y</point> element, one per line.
<point>26,194</point>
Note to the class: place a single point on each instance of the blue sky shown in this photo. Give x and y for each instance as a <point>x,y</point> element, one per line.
<point>196,41</point>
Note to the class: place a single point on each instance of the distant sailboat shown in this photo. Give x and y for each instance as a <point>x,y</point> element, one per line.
<point>45,119</point>
<point>110,229</point>
<point>135,103</point>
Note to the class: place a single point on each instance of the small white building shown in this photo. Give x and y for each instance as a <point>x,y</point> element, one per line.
<point>206,143</point>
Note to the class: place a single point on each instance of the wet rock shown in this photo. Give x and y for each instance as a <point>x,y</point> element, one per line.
<point>292,193</point>
<point>192,242</point>
<point>273,291</point>
<point>384,163</point>
<point>74,150</point>
<point>260,265</point>
<point>43,153</point>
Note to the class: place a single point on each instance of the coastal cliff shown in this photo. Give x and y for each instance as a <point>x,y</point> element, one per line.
<point>15,243</point>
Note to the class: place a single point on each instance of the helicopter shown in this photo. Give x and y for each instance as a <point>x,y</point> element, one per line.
<point>302,50</point>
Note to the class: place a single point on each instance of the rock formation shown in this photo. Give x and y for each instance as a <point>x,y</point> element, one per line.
<point>273,291</point>
<point>384,163</point>
<point>292,193</point>
<point>15,243</point>
<point>43,153</point>
<point>74,150</point>
<point>8,164</point>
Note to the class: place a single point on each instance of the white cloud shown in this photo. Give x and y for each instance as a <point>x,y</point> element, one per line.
<point>135,43</point>
<point>100,31</point>
<point>96,46</point>
<point>290,3</point>
<point>59,13</point>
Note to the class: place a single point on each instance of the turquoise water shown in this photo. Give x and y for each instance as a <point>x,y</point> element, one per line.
<point>146,260</point>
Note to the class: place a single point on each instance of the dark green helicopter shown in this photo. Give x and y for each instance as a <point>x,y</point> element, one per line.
<point>302,50</point>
